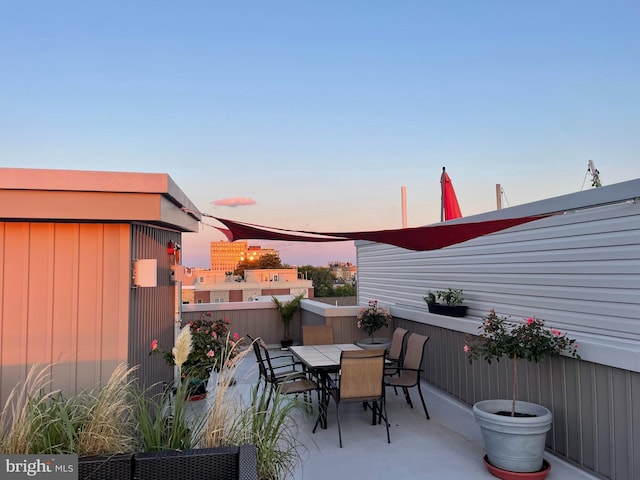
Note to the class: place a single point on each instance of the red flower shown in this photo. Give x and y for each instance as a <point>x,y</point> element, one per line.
<point>154,344</point>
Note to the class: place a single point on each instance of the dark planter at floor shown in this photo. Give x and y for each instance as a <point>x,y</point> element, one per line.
<point>448,310</point>
<point>286,342</point>
<point>108,467</point>
<point>224,463</point>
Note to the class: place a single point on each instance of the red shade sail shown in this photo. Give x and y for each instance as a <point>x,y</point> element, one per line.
<point>419,238</point>
<point>450,207</point>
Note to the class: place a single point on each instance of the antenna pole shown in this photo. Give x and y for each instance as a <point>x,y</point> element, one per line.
<point>498,196</point>
<point>403,195</point>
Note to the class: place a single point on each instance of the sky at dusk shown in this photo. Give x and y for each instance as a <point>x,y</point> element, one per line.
<point>314,115</point>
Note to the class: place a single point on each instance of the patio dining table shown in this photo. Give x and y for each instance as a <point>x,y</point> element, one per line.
<point>322,360</point>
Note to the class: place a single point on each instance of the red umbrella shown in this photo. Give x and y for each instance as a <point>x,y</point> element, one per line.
<point>449,208</point>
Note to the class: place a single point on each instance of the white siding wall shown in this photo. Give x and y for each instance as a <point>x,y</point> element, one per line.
<point>579,271</point>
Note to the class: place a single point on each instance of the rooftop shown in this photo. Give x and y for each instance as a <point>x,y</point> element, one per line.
<point>448,446</point>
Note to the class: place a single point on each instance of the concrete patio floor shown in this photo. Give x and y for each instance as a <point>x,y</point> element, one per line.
<point>448,446</point>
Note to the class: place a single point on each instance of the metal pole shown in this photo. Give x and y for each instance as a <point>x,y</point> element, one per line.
<point>498,196</point>
<point>403,194</point>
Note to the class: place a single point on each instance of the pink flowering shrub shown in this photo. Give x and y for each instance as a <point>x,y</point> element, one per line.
<point>528,340</point>
<point>373,318</point>
<point>211,345</point>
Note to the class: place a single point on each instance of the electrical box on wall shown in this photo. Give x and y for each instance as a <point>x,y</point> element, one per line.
<point>177,273</point>
<point>145,272</point>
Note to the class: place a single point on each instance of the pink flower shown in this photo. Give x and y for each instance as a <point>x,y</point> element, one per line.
<point>530,321</point>
<point>575,345</point>
<point>466,348</point>
<point>556,332</point>
<point>214,334</point>
<point>359,324</point>
<point>236,337</point>
<point>154,344</point>
<point>210,353</point>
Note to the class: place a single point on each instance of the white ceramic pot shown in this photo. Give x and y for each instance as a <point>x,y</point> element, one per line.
<point>378,342</point>
<point>513,443</point>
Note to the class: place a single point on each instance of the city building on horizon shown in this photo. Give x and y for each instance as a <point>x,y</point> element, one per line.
<point>346,271</point>
<point>214,286</point>
<point>225,255</point>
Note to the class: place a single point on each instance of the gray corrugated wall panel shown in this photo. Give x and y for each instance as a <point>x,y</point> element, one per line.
<point>151,313</point>
<point>634,441</point>
<point>569,285</point>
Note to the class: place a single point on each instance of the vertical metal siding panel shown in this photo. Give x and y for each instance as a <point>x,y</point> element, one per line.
<point>571,406</point>
<point>634,430</point>
<point>602,390</point>
<point>620,395</point>
<point>39,294</point>
<point>557,386</point>
<point>589,408</point>
<point>89,306</point>
<point>115,293</point>
<point>64,338</point>
<point>15,311</point>
<point>2,299</point>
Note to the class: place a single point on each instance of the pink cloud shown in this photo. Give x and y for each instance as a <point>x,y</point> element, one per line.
<point>234,202</point>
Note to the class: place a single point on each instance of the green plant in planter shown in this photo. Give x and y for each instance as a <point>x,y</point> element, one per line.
<point>449,297</point>
<point>528,340</point>
<point>446,302</point>
<point>286,310</point>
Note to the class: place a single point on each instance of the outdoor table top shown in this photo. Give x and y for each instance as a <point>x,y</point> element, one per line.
<point>322,356</point>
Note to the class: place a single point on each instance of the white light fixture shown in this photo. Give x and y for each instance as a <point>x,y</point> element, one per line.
<point>145,272</point>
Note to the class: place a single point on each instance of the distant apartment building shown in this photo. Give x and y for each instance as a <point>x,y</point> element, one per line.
<point>210,286</point>
<point>225,256</point>
<point>344,271</point>
<point>254,252</point>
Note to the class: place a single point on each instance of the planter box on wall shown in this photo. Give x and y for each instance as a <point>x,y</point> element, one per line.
<point>448,310</point>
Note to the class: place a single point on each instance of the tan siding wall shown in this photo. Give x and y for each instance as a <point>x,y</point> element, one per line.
<point>64,290</point>
<point>262,322</point>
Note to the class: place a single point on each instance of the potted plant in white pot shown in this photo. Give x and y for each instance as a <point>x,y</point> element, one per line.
<point>371,319</point>
<point>515,431</point>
